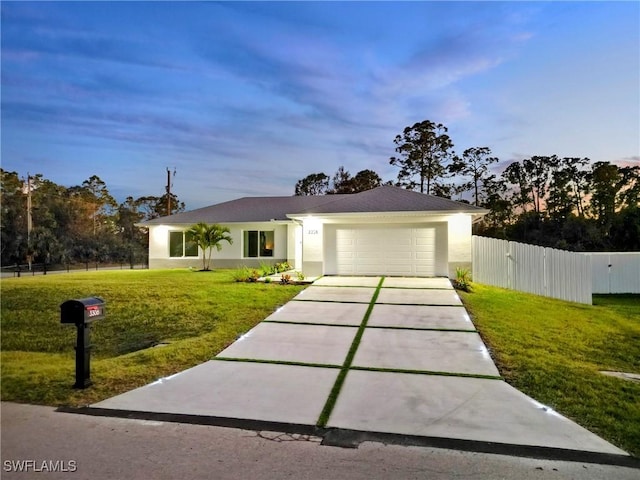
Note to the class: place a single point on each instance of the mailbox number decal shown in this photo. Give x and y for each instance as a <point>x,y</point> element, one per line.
<point>93,311</point>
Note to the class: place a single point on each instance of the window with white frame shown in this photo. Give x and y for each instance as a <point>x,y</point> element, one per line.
<point>182,244</point>
<point>258,243</point>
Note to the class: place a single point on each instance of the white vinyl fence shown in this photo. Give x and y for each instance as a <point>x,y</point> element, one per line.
<point>615,272</point>
<point>532,269</point>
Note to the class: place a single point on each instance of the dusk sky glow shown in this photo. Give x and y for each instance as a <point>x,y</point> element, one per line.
<point>245,98</point>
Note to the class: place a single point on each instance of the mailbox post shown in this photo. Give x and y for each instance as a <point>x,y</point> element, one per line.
<point>82,313</point>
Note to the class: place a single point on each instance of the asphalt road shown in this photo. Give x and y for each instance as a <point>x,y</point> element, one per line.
<point>53,445</point>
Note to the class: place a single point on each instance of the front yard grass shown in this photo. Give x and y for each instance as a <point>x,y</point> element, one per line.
<point>196,314</point>
<point>553,351</point>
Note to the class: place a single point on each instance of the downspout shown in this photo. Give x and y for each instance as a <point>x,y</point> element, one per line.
<point>298,222</point>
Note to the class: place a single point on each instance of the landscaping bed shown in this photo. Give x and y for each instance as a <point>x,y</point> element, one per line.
<point>157,323</point>
<point>554,352</point>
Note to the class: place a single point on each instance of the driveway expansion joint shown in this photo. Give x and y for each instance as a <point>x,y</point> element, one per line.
<point>405,304</point>
<point>431,289</point>
<point>426,372</point>
<point>276,362</point>
<point>318,324</point>
<point>422,329</point>
<point>327,301</point>
<point>343,286</point>
<point>337,386</point>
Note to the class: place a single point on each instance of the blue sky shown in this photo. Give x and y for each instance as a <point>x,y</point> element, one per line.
<point>246,98</point>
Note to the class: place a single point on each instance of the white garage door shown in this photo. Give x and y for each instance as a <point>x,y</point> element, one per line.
<point>386,251</point>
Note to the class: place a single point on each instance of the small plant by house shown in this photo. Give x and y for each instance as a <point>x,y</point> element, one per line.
<point>463,279</point>
<point>254,275</point>
<point>267,269</point>
<point>282,267</point>
<point>241,274</point>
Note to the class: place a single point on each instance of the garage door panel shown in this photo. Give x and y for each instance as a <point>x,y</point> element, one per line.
<point>393,250</point>
<point>399,240</point>
<point>344,237</point>
<point>366,240</point>
<point>371,249</point>
<point>364,270</point>
<point>398,244</point>
<point>400,270</point>
<point>430,245</point>
<point>400,255</point>
<point>367,261</point>
<point>367,254</point>
<point>425,242</point>
<point>346,260</point>
<point>359,238</point>
<point>345,244</point>
<point>424,271</point>
<point>401,265</point>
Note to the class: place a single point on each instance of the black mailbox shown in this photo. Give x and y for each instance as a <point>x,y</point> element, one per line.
<point>82,313</point>
<point>83,310</point>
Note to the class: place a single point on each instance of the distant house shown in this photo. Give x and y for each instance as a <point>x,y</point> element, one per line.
<point>383,231</point>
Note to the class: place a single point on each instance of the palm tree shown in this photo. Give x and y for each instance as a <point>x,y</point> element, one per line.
<point>207,237</point>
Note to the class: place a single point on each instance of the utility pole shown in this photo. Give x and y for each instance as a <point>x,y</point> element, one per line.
<point>168,191</point>
<point>29,219</point>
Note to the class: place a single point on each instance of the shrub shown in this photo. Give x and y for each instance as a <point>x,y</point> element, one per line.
<point>241,274</point>
<point>266,269</point>
<point>254,275</point>
<point>285,280</point>
<point>463,279</point>
<point>282,267</point>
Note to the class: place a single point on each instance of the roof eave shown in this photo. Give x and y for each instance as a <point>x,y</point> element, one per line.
<point>280,221</point>
<point>407,213</point>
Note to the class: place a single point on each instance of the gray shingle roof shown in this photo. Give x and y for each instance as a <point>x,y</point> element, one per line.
<point>264,209</point>
<point>390,199</point>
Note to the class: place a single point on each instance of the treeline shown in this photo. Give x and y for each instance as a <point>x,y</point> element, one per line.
<point>47,223</point>
<point>341,182</point>
<point>563,202</point>
<point>568,203</point>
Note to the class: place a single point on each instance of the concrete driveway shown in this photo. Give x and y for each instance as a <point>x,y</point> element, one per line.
<point>366,358</point>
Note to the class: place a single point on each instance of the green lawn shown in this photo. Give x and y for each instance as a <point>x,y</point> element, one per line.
<point>197,313</point>
<point>553,351</point>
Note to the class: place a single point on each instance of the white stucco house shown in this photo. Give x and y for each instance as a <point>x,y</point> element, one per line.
<point>383,231</point>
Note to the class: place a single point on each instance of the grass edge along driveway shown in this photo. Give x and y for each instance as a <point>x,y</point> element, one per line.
<point>193,315</point>
<point>553,351</point>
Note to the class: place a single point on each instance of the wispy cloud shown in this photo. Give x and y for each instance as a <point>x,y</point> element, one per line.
<point>253,96</point>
